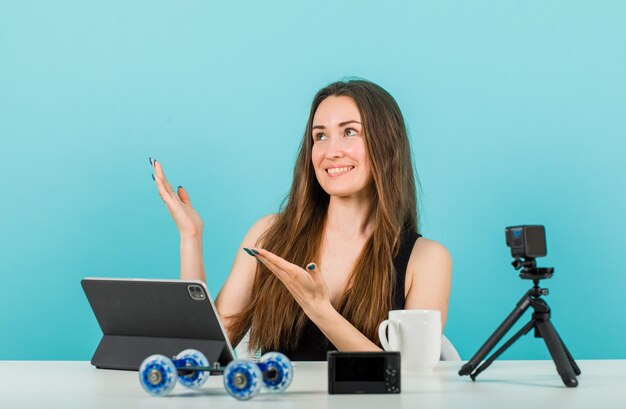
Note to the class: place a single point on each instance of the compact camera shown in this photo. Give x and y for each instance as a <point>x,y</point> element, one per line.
<point>363,372</point>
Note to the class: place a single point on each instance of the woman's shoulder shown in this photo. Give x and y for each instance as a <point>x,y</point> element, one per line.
<point>265,222</point>
<point>429,254</point>
<point>429,277</point>
<point>260,227</point>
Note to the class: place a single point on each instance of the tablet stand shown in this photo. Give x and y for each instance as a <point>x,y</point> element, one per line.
<point>128,352</point>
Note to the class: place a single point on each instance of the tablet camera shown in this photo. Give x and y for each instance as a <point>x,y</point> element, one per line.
<point>196,292</point>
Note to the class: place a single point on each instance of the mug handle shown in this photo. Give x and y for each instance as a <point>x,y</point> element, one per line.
<point>382,335</point>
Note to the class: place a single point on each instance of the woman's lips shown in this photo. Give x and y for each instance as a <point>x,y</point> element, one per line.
<point>337,171</point>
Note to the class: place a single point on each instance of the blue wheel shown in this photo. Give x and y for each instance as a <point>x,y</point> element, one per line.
<point>192,379</point>
<point>157,375</point>
<point>277,371</point>
<point>242,379</point>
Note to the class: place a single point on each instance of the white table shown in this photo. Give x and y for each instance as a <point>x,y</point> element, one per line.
<point>506,384</point>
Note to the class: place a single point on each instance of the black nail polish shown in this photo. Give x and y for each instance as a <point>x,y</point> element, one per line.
<point>254,251</point>
<point>180,187</point>
<point>248,251</point>
<point>150,159</point>
<point>311,266</point>
<point>153,177</point>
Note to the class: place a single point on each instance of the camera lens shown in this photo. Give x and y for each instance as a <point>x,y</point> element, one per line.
<point>196,292</point>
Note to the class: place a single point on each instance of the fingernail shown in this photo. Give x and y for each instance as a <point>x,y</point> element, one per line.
<point>150,159</point>
<point>248,251</point>
<point>311,266</point>
<point>153,177</point>
<point>180,187</point>
<point>254,251</point>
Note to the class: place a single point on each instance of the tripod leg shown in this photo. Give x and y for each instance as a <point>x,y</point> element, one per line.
<point>503,348</point>
<point>570,357</point>
<point>497,335</point>
<point>557,351</point>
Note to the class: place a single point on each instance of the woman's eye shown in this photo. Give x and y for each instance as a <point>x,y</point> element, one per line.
<point>351,132</point>
<point>320,137</point>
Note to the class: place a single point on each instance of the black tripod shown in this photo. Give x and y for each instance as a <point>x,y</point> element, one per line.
<point>565,364</point>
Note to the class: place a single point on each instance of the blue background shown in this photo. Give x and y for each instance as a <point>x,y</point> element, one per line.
<point>516,111</point>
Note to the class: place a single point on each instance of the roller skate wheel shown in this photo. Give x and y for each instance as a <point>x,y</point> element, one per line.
<point>278,371</point>
<point>242,379</point>
<point>192,379</point>
<point>157,375</point>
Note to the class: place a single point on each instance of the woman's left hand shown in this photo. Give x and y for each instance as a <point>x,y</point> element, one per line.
<point>306,285</point>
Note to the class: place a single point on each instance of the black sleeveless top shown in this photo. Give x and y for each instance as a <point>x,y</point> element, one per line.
<point>313,345</point>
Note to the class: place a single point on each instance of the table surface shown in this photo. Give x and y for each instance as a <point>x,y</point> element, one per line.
<point>506,384</point>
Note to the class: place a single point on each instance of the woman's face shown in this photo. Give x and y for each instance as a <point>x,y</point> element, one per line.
<point>339,155</point>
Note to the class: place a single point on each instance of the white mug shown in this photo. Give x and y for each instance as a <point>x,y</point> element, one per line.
<point>416,334</point>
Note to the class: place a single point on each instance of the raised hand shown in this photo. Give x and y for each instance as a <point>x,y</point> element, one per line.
<point>188,221</point>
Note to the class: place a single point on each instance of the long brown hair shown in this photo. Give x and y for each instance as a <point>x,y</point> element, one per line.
<point>273,316</point>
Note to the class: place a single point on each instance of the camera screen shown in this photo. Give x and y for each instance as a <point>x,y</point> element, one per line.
<point>371,369</point>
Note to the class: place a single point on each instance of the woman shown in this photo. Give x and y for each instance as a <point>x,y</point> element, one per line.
<point>325,271</point>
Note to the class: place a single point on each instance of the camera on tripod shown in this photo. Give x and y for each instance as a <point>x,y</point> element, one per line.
<point>528,242</point>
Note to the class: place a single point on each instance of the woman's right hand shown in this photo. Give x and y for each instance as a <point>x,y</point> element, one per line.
<point>187,220</point>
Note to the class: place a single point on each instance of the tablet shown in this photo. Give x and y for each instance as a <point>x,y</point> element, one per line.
<point>141,317</point>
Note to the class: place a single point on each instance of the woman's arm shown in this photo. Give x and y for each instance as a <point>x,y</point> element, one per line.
<point>429,269</point>
<point>343,335</point>
<point>428,278</point>
<point>236,292</point>
<point>191,260</point>
<point>310,291</point>
<point>188,223</point>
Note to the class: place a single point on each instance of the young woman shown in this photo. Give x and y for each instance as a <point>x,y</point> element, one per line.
<point>344,251</point>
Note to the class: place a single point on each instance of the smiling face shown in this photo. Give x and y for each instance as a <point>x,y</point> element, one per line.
<point>339,155</point>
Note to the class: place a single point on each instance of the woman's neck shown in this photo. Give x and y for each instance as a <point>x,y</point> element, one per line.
<point>350,217</point>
